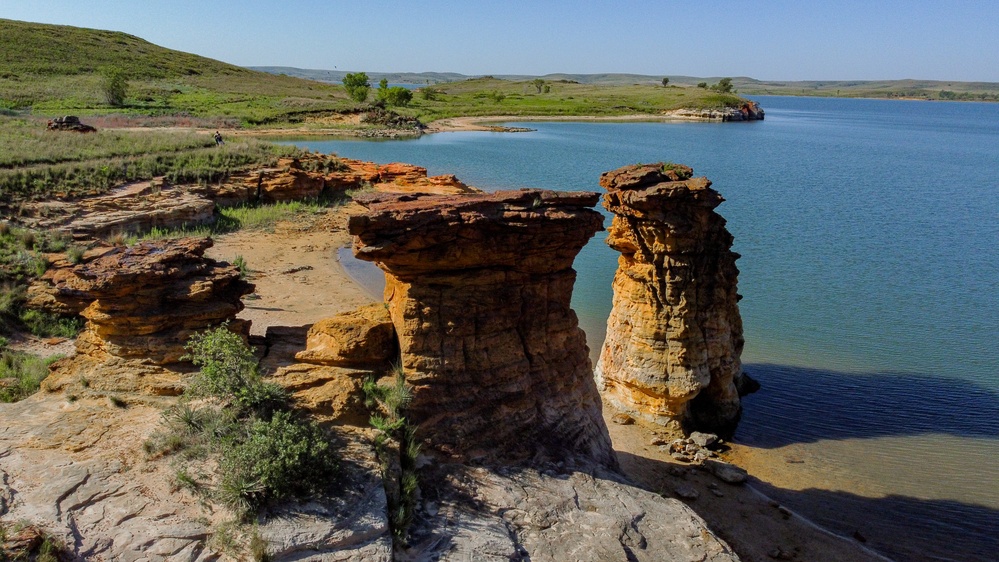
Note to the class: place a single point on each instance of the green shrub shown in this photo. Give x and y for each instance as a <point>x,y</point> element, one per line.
<point>229,373</point>
<point>397,449</point>
<point>74,255</point>
<point>264,452</point>
<point>276,459</point>
<point>22,374</point>
<point>46,325</point>
<point>114,85</point>
<point>240,264</point>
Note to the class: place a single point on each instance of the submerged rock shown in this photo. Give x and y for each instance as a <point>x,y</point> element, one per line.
<point>479,288</point>
<point>674,336</point>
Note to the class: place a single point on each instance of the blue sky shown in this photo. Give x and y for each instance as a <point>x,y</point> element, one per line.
<point>770,40</point>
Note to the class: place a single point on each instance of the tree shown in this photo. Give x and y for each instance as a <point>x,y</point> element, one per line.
<point>665,82</point>
<point>724,85</point>
<point>702,84</point>
<point>357,86</point>
<point>538,83</point>
<point>114,85</point>
<point>396,95</point>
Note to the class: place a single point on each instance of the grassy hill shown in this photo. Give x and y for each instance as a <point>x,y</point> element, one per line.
<point>54,69</point>
<point>558,98</point>
<point>921,89</point>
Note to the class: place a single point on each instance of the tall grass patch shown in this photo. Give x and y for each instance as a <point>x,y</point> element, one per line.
<point>21,374</point>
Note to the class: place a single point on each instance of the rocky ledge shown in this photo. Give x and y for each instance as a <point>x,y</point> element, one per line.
<point>147,300</point>
<point>141,206</point>
<point>749,111</point>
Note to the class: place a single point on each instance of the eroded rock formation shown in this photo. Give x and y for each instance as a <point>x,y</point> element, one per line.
<point>749,111</point>
<point>147,300</point>
<point>674,336</point>
<point>324,366</point>
<point>144,205</point>
<point>479,289</point>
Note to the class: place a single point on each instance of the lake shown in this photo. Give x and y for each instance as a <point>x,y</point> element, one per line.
<point>869,234</point>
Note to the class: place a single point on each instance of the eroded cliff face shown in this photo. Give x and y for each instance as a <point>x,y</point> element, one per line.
<point>147,300</point>
<point>479,289</point>
<point>674,336</point>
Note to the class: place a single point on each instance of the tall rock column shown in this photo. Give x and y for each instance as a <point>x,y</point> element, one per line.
<point>674,336</point>
<point>479,288</point>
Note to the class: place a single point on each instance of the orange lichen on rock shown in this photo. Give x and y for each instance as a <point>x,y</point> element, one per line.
<point>479,289</point>
<point>674,336</point>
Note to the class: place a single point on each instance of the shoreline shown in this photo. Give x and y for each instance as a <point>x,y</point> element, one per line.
<point>477,123</point>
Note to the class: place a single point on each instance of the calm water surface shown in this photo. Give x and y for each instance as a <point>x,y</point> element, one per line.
<point>870,271</point>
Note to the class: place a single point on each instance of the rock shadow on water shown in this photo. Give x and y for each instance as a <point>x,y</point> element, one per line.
<point>811,405</point>
<point>897,526</point>
<point>902,527</point>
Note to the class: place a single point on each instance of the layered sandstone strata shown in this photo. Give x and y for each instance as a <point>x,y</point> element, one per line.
<point>674,336</point>
<point>479,288</point>
<point>147,300</point>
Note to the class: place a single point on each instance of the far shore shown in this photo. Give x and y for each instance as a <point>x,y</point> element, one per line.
<point>485,123</point>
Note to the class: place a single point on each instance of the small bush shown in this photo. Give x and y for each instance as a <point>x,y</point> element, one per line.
<point>229,373</point>
<point>240,264</point>
<point>74,255</point>
<point>264,452</point>
<point>45,325</point>
<point>277,459</point>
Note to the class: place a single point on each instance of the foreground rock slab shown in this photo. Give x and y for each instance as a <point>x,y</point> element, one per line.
<point>479,288</point>
<point>674,336</point>
<point>77,470</point>
<point>552,515</point>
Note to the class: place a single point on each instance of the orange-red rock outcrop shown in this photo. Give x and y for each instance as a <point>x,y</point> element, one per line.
<point>674,336</point>
<point>148,299</point>
<point>479,288</point>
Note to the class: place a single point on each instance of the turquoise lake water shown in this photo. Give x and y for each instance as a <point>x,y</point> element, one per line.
<point>869,234</point>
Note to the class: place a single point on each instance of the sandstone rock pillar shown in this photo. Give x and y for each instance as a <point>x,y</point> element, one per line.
<point>674,336</point>
<point>479,288</point>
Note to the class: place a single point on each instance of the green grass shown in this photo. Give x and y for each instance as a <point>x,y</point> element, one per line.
<point>490,96</point>
<point>54,70</point>
<point>265,451</point>
<point>257,216</point>
<point>21,374</point>
<point>39,164</point>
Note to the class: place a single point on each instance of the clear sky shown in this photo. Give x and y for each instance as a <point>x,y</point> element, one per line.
<point>766,39</point>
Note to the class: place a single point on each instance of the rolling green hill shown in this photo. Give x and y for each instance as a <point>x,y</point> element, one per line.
<point>50,70</point>
<point>56,69</point>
